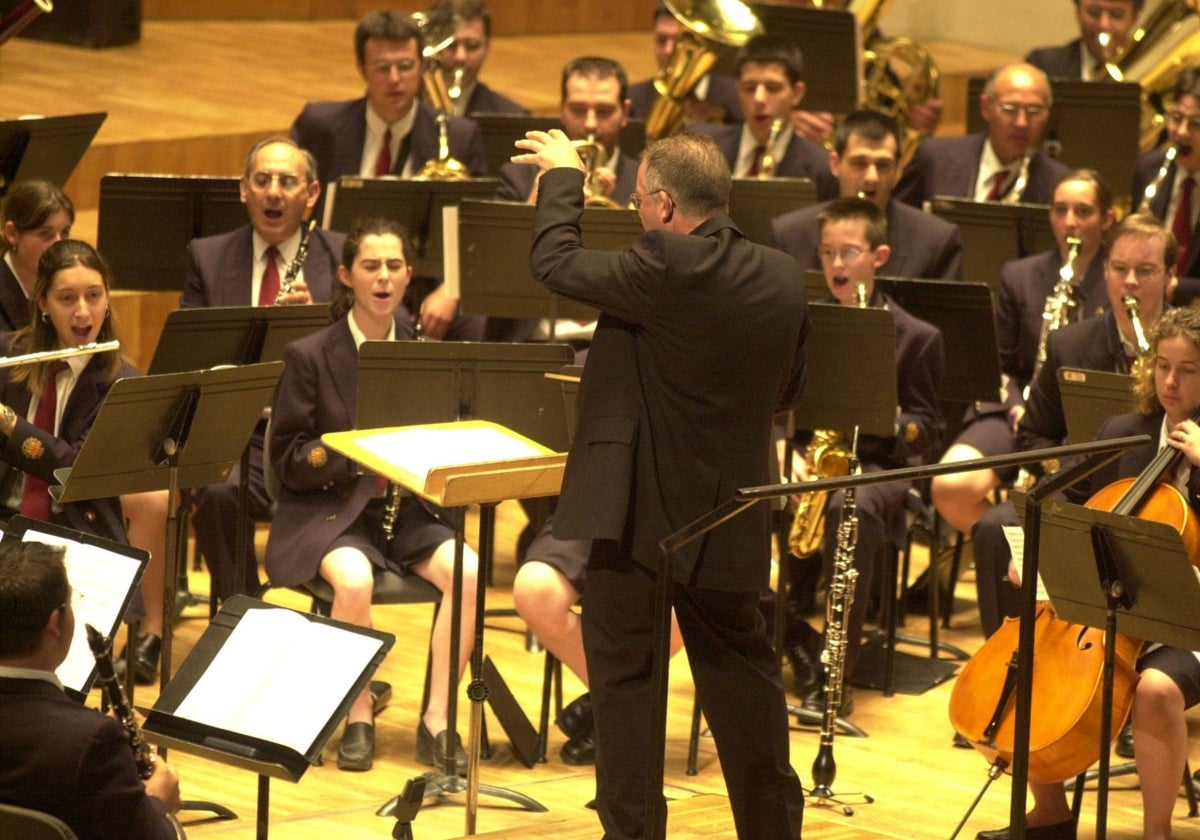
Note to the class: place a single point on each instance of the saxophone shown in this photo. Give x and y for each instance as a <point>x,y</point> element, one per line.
<point>766,164</point>
<point>1059,302</point>
<point>1013,196</point>
<point>293,269</point>
<point>837,611</point>
<point>143,754</point>
<point>824,457</point>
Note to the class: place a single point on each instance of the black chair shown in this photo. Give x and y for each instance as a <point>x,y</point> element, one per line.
<point>32,825</point>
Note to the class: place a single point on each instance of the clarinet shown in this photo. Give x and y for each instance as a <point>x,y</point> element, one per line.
<point>391,508</point>
<point>837,613</point>
<point>293,269</point>
<point>143,754</point>
<point>1153,187</point>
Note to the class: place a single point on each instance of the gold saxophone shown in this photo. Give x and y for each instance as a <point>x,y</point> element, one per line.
<point>1059,302</point>
<point>766,164</point>
<point>825,456</point>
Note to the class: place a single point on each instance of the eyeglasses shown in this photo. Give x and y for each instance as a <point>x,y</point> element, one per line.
<point>636,198</point>
<point>1176,120</point>
<point>1142,272</point>
<point>847,255</point>
<point>1009,110</point>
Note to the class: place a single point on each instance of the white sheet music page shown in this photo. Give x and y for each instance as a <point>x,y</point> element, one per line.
<point>421,450</point>
<point>279,677</point>
<point>100,581</point>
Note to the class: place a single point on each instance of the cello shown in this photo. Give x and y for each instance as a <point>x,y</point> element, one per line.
<point>1067,712</point>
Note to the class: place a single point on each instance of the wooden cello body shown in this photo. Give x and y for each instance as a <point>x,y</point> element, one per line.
<point>1068,659</point>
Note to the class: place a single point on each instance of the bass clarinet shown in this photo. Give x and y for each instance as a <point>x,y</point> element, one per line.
<point>143,754</point>
<point>293,269</point>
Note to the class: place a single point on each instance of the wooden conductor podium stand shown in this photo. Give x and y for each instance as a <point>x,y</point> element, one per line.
<point>456,464</point>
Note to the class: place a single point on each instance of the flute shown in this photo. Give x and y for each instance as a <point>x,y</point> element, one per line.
<point>62,353</point>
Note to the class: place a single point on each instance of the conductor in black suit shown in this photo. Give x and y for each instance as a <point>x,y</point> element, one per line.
<point>468,52</point>
<point>865,161</point>
<point>986,166</point>
<point>1084,58</point>
<point>674,415</point>
<point>1175,203</point>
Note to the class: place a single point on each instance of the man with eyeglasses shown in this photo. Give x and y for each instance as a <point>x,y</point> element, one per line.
<point>865,161</point>
<point>389,131</point>
<point>468,52</point>
<point>1174,202</point>
<point>770,77</point>
<point>246,267</point>
<point>1140,253</point>
<point>986,166</point>
<point>1104,30</point>
<point>853,246</point>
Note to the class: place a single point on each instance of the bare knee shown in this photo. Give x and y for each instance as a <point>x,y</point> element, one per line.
<point>541,592</point>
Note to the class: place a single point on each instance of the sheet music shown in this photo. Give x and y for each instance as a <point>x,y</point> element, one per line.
<point>100,582</point>
<point>421,449</point>
<point>280,677</point>
<point>1015,535</point>
<point>450,269</point>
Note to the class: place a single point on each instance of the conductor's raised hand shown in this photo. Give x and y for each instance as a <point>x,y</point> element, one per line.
<point>548,150</point>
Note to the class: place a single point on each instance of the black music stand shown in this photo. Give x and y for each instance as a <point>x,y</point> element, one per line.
<point>177,208</point>
<point>1124,575</point>
<point>829,39</point>
<point>500,132</point>
<point>754,202</point>
<point>994,233</point>
<point>48,148</point>
<point>1089,397</point>
<point>417,204</point>
<point>404,383</point>
<point>494,238</point>
<point>248,748</point>
<point>1071,135</point>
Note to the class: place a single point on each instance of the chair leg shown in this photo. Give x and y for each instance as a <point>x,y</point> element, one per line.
<point>694,739</point>
<point>1189,789</point>
<point>955,567</point>
<point>551,673</point>
<point>890,615</point>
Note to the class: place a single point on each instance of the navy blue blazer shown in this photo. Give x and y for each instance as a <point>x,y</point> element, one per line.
<point>14,306</point>
<point>1144,173</point>
<point>484,100</point>
<point>1065,62</point>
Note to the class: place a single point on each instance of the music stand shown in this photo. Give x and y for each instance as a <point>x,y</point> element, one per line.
<point>829,39</point>
<point>500,132</point>
<point>1071,136</point>
<point>250,660</point>
<point>993,233</point>
<point>416,204</point>
<point>47,148</point>
<point>1089,397</point>
<point>177,208</point>
<point>404,383</point>
<point>494,238</point>
<point>754,202</point>
<point>1122,574</point>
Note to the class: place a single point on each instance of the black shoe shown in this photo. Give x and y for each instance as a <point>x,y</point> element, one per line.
<point>1125,741</point>
<point>579,752</point>
<point>804,671</point>
<point>814,701</point>
<point>357,749</point>
<point>381,695</point>
<point>1058,831</point>
<point>575,720</point>
<point>431,751</point>
<point>145,660</point>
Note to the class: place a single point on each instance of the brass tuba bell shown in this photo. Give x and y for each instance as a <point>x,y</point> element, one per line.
<point>709,26</point>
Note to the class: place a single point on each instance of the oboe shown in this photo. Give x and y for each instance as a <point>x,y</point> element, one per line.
<point>143,754</point>
<point>293,269</point>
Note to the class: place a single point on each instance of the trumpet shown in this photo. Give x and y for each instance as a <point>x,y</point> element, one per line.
<point>1154,186</point>
<point>1013,196</point>
<point>1131,306</point>
<point>593,153</point>
<point>297,263</point>
<point>766,164</point>
<point>62,353</point>
<point>455,91</point>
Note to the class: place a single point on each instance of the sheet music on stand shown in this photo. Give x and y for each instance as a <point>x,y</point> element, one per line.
<point>103,575</point>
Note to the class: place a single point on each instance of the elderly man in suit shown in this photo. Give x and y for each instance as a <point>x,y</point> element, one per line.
<point>986,166</point>
<point>713,99</point>
<point>1173,202</point>
<point>467,53</point>
<point>770,76</point>
<point>865,162</point>
<point>246,267</point>
<point>389,131</point>
<point>1104,30</point>
<point>673,417</point>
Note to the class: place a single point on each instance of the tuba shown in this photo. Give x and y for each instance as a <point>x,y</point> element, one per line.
<point>1162,45</point>
<point>709,26</point>
<point>437,30</point>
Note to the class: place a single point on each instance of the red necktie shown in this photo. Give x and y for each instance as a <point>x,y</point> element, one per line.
<point>759,151</point>
<point>998,182</point>
<point>35,497</point>
<point>1181,226</point>
<point>383,163</point>
<point>268,290</point>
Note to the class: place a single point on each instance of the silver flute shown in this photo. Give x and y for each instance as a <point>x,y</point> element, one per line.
<point>63,353</point>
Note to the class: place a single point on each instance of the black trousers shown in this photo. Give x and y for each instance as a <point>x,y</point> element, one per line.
<point>737,680</point>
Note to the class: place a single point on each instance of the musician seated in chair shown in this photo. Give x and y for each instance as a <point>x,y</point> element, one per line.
<point>770,75</point>
<point>59,757</point>
<point>1081,211</point>
<point>333,522</point>
<point>853,246</point>
<point>1167,388</point>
